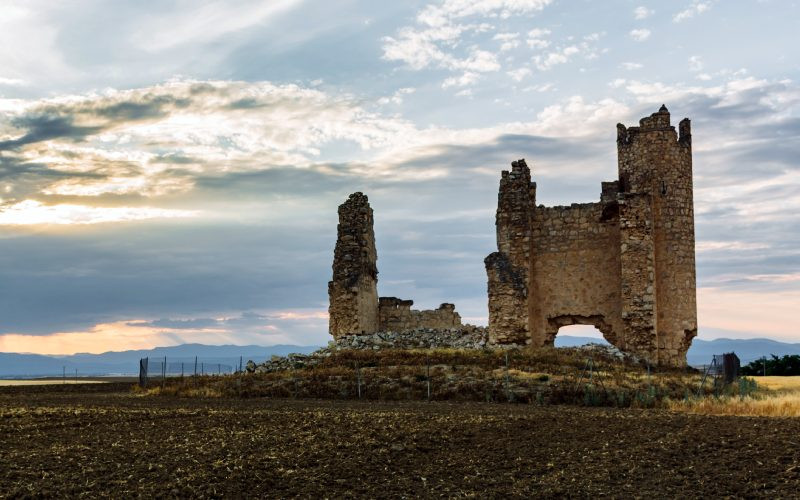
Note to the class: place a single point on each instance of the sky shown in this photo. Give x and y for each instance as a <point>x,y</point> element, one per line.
<point>170,171</point>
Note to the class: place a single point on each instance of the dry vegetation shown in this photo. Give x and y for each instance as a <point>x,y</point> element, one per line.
<point>538,376</point>
<point>773,397</point>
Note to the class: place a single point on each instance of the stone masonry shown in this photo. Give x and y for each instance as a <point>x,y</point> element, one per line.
<point>625,264</point>
<point>354,305</point>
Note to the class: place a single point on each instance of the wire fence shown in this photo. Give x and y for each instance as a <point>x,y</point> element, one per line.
<point>151,369</point>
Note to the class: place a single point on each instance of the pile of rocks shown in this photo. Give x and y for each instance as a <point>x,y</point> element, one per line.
<point>283,363</point>
<point>463,337</point>
<point>609,351</point>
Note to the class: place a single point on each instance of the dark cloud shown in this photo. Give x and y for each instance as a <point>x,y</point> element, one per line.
<point>45,127</point>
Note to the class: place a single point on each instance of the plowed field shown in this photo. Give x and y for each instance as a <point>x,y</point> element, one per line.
<point>104,441</point>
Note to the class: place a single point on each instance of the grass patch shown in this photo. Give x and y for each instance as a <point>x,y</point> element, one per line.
<point>532,376</point>
<point>772,397</point>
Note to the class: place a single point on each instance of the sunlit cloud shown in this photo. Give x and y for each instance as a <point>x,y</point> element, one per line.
<point>31,212</point>
<point>246,329</point>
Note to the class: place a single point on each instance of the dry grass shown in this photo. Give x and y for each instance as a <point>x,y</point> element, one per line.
<point>537,376</point>
<point>779,384</point>
<point>775,397</point>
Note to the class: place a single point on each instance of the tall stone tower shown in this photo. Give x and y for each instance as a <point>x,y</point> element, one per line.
<point>509,267</point>
<point>353,292</point>
<point>624,264</point>
<point>656,220</point>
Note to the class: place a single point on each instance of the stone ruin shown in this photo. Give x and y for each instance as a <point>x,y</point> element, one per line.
<point>625,264</point>
<point>354,304</point>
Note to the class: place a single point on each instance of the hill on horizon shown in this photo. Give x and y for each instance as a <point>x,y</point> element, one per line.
<point>227,357</point>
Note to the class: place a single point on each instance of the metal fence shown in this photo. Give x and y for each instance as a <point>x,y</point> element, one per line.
<point>160,368</point>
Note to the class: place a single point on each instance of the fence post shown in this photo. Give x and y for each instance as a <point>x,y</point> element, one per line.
<point>181,370</point>
<point>428,375</point>
<point>202,368</point>
<point>195,366</point>
<point>76,375</point>
<point>64,374</point>
<point>358,379</point>
<point>240,364</point>
<point>508,389</point>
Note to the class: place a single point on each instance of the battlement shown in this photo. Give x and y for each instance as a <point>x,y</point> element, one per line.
<point>656,122</point>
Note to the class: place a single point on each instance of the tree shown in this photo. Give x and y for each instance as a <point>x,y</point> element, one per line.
<point>784,366</point>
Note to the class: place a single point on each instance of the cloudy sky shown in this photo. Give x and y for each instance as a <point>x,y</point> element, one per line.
<point>170,171</point>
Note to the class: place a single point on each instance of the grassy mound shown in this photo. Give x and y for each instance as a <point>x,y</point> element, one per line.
<point>539,376</point>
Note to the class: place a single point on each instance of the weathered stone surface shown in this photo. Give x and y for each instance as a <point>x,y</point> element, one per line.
<point>354,305</point>
<point>625,264</point>
<point>353,292</point>
<point>396,315</point>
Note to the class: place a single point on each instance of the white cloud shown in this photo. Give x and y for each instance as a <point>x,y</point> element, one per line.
<point>468,78</point>
<point>640,34</point>
<point>397,97</point>
<point>446,12</point>
<point>518,74</point>
<point>11,82</point>
<point>631,65</point>
<point>208,20</point>
<point>31,212</point>
<point>642,12</point>
<point>536,38</point>
<point>696,8</point>
<point>695,63</point>
<point>544,87</point>
<point>439,38</point>
<point>509,41</point>
<point>555,58</point>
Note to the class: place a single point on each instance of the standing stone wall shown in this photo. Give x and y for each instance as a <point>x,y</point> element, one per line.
<point>575,278</point>
<point>353,292</point>
<point>396,315</point>
<point>509,268</point>
<point>625,265</point>
<point>354,307</point>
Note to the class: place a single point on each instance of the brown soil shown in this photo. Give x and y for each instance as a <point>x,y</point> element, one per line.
<point>105,441</point>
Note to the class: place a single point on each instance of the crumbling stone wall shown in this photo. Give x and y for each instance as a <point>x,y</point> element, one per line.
<point>353,292</point>
<point>625,264</point>
<point>396,315</point>
<point>509,267</point>
<point>354,307</point>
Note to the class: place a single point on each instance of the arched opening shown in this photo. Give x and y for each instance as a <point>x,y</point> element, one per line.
<point>587,324</point>
<point>578,335</point>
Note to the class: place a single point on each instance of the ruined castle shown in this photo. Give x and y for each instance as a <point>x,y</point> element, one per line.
<point>354,304</point>
<point>624,264</point>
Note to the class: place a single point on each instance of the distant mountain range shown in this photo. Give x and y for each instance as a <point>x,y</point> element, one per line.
<point>702,350</point>
<point>210,358</point>
<point>213,358</point>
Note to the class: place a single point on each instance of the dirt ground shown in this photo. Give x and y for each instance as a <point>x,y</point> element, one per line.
<point>101,440</point>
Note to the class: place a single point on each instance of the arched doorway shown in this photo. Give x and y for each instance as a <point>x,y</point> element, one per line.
<point>578,335</point>
<point>557,325</point>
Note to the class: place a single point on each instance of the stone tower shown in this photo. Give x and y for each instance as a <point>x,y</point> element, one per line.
<point>353,292</point>
<point>624,264</point>
<point>656,219</point>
